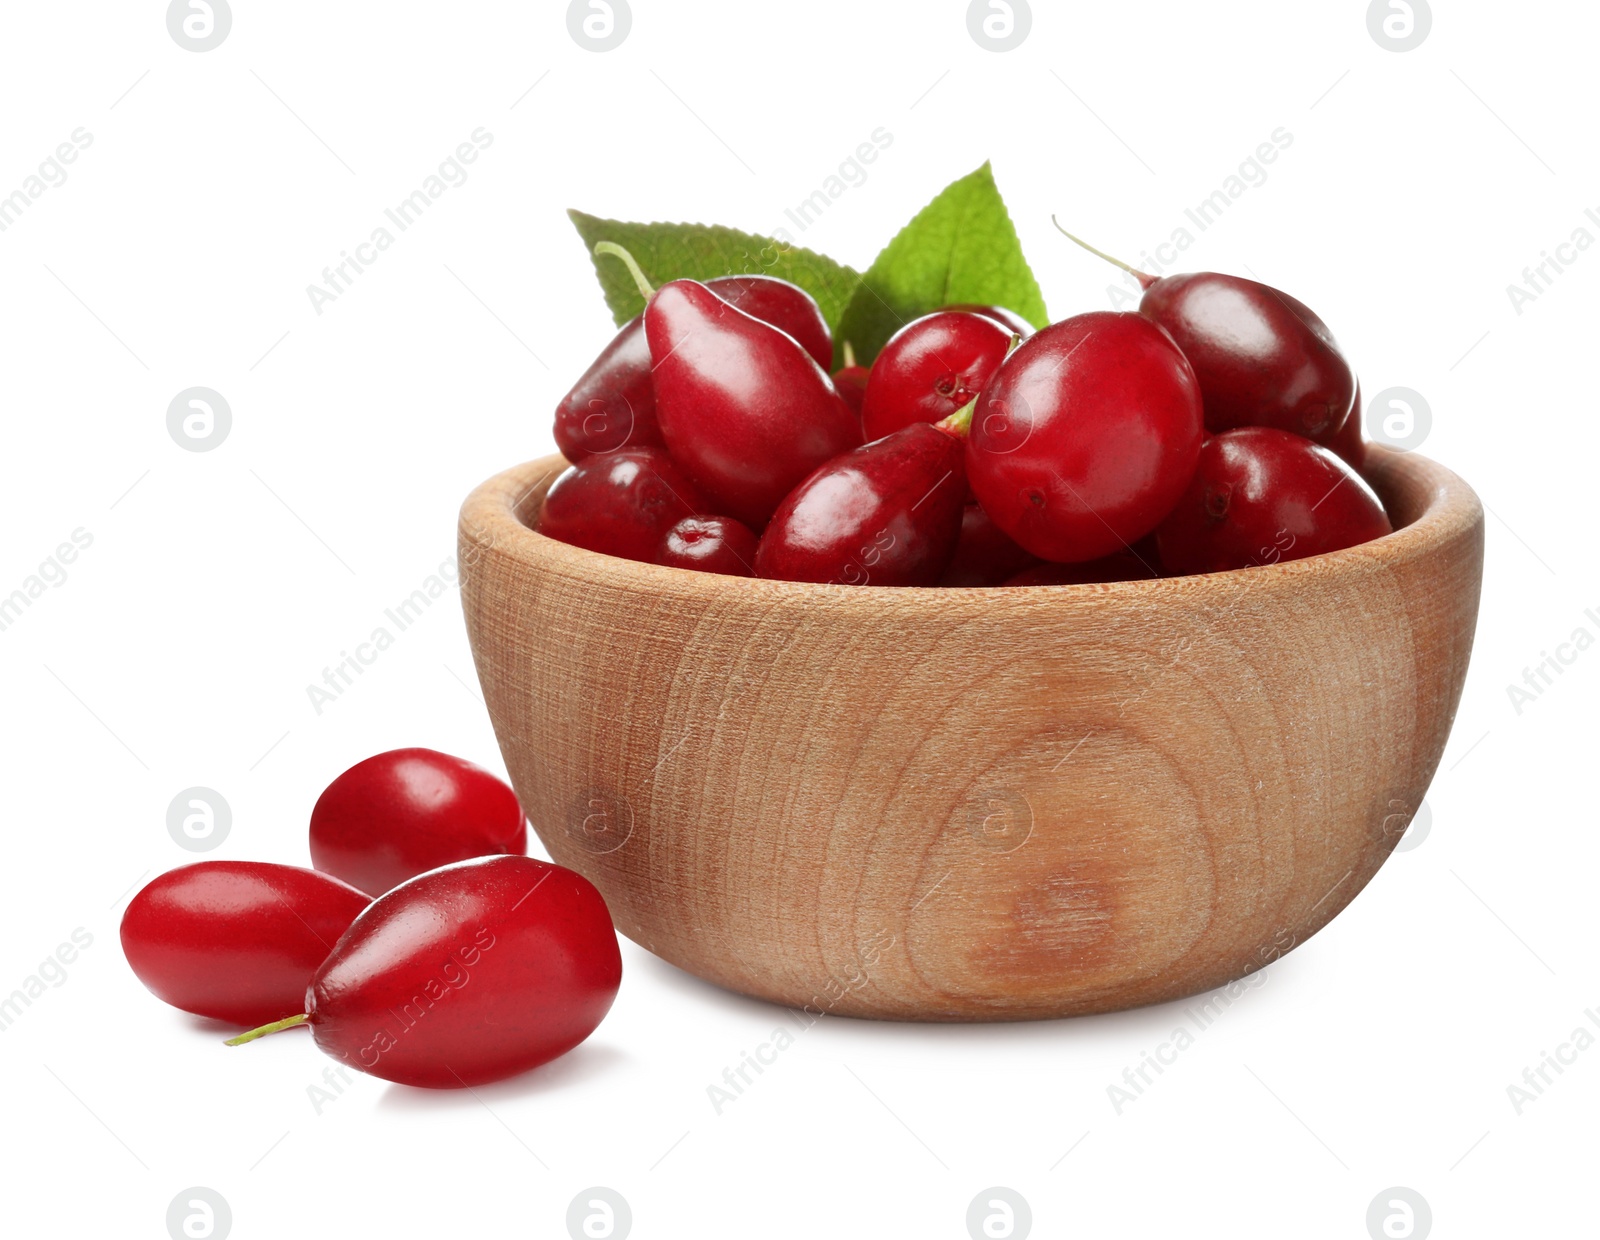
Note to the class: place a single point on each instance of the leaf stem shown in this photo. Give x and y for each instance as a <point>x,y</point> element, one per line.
<point>1145,280</point>
<point>616,251</point>
<point>288,1022</point>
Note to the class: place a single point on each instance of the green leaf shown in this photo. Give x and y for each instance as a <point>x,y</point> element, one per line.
<point>703,252</point>
<point>961,247</point>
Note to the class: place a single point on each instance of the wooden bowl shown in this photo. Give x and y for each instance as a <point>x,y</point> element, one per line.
<point>974,804</point>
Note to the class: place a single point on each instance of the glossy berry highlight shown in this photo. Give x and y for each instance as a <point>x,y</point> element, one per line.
<point>236,941</point>
<point>399,814</point>
<point>621,503</point>
<point>1262,496</point>
<point>613,404</point>
<point>710,545</point>
<point>930,368</point>
<point>1086,436</point>
<point>1262,358</point>
<point>744,409</point>
<point>465,975</point>
<point>886,514</point>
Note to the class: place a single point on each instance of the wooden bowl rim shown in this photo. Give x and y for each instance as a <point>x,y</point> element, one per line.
<point>1432,507</point>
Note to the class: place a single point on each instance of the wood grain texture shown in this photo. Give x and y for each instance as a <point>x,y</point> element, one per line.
<point>974,804</point>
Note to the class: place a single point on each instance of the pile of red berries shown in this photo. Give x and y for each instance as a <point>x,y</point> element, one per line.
<point>1216,428</point>
<point>425,948</point>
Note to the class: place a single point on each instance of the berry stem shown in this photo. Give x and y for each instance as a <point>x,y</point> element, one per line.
<point>1145,279</point>
<point>616,251</point>
<point>849,354</point>
<point>288,1022</point>
<point>959,422</point>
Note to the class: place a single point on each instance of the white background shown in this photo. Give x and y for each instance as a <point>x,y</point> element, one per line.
<point>219,585</point>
